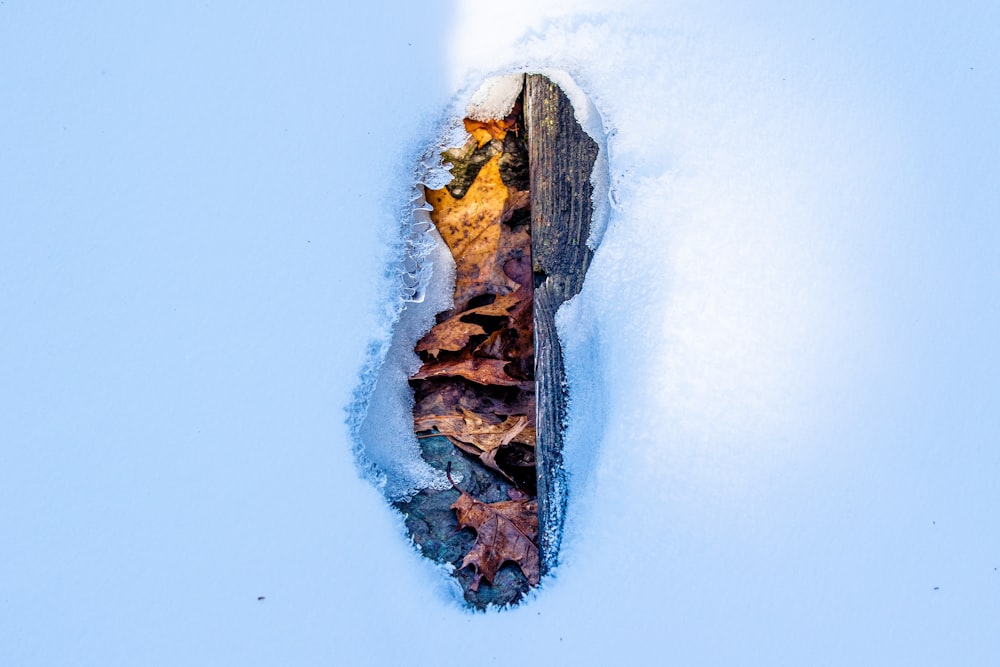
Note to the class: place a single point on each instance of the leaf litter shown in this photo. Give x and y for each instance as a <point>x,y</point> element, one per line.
<point>474,393</point>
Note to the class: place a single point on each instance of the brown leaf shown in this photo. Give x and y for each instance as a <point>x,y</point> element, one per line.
<point>448,396</point>
<point>480,371</point>
<point>505,531</point>
<point>520,345</point>
<point>473,430</point>
<point>454,333</point>
<point>451,335</point>
<point>476,386</point>
<point>500,307</point>
<point>493,346</point>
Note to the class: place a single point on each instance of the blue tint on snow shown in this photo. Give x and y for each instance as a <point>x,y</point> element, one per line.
<point>787,340</point>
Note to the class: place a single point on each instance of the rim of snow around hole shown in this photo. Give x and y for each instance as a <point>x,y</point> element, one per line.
<point>386,449</point>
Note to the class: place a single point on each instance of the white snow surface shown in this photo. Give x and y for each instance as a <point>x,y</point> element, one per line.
<point>783,366</point>
<point>495,98</point>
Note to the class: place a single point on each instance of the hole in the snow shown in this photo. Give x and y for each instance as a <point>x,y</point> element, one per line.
<point>481,482</point>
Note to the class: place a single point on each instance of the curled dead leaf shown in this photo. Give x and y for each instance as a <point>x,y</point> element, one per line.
<point>451,335</point>
<point>480,371</point>
<point>471,429</point>
<point>454,333</point>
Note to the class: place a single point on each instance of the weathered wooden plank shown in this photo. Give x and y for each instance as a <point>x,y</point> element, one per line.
<point>561,160</point>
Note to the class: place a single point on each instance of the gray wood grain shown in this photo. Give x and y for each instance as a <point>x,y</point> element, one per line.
<point>561,159</point>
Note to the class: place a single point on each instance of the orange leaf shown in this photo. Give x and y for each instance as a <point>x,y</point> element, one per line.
<point>471,227</point>
<point>484,131</point>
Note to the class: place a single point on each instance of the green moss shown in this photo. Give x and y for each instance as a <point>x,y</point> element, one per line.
<point>466,162</point>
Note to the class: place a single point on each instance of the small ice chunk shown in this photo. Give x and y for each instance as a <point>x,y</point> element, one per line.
<point>496,97</point>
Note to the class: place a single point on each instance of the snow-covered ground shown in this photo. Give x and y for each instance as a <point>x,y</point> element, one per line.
<point>784,369</point>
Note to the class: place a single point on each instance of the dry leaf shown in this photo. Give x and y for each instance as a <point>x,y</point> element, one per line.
<point>451,335</point>
<point>450,395</point>
<point>505,531</point>
<point>454,333</point>
<point>471,429</point>
<point>476,386</point>
<point>486,131</point>
<point>480,371</point>
<point>472,229</point>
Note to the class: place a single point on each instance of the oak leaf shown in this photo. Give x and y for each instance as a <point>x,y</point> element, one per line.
<point>506,447</point>
<point>476,385</point>
<point>505,531</point>
<point>469,429</point>
<point>471,228</point>
<point>451,335</point>
<point>454,333</point>
<point>478,370</point>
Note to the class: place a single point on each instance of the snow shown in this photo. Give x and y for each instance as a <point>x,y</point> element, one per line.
<point>380,414</point>
<point>783,366</point>
<point>495,98</point>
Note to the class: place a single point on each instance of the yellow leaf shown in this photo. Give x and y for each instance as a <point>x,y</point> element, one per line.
<point>471,227</point>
